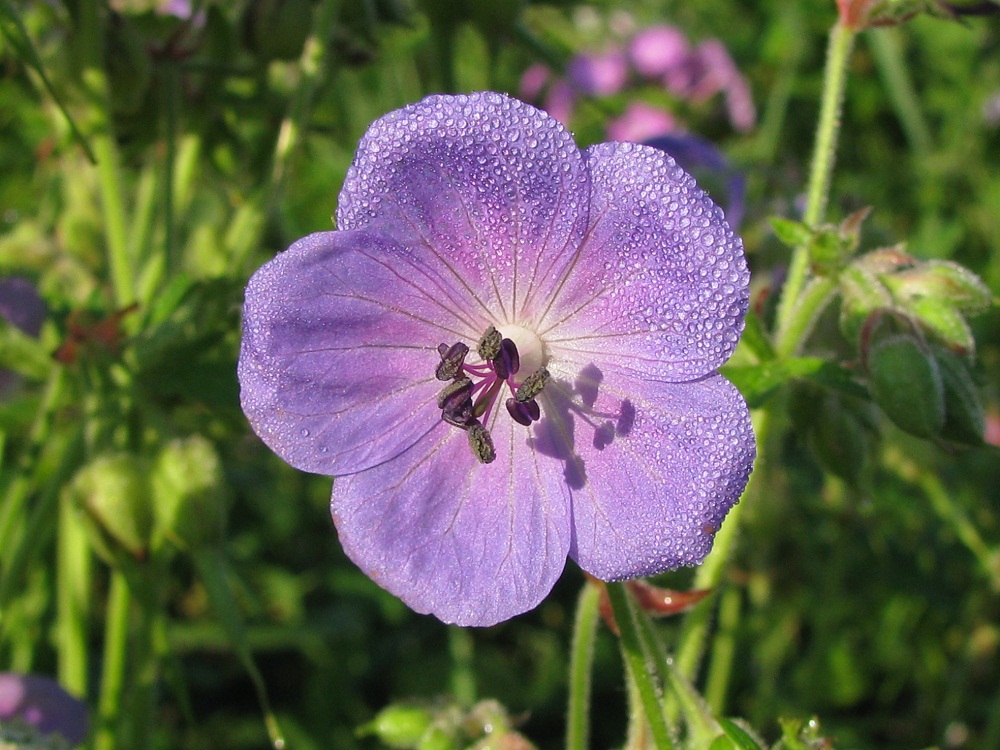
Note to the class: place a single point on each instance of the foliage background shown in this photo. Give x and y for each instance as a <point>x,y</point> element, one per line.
<point>873,607</point>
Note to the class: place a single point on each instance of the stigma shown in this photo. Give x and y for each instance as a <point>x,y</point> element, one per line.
<point>472,391</point>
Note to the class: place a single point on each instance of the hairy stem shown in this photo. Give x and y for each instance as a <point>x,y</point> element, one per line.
<point>580,667</point>
<point>640,666</point>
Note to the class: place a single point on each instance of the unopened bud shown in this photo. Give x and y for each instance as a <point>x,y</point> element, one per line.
<point>189,492</point>
<point>905,382</point>
<point>944,280</point>
<point>944,323</point>
<point>399,726</point>
<point>437,738</point>
<point>964,418</point>
<point>862,293</point>
<point>114,492</point>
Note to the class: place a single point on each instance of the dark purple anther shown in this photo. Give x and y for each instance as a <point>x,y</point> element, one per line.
<point>510,358</point>
<point>517,412</point>
<point>531,407</point>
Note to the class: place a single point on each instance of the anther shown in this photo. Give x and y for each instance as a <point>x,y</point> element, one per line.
<point>452,359</point>
<point>481,443</point>
<point>532,385</point>
<point>507,362</point>
<point>453,394</point>
<point>489,344</point>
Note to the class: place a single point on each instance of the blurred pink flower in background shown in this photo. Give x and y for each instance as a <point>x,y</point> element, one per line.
<point>657,49</point>
<point>640,122</point>
<point>658,54</point>
<point>600,74</point>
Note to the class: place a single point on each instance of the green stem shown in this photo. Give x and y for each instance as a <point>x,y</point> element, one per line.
<point>171,96</point>
<point>640,666</point>
<point>723,650</point>
<point>580,667</point>
<point>212,568</point>
<point>73,597</point>
<point>109,708</point>
<point>887,49</point>
<point>106,153</point>
<point>805,312</point>
<point>463,677</point>
<point>821,169</point>
<point>311,67</point>
<point>702,729</point>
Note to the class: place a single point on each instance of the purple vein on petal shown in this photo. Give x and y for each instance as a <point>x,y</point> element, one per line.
<point>443,288</point>
<point>568,271</point>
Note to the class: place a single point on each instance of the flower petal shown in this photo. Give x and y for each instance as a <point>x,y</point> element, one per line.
<point>472,543</point>
<point>339,351</point>
<point>662,284</point>
<point>494,190</point>
<point>653,467</point>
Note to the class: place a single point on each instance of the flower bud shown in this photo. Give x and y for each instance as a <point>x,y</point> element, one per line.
<point>905,382</point>
<point>949,282</point>
<point>189,493</point>
<point>862,293</point>
<point>964,418</point>
<point>945,323</point>
<point>399,726</point>
<point>113,490</point>
<point>437,738</point>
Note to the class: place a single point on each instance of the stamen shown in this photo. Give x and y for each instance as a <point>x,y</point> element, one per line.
<point>455,393</point>
<point>510,356</point>
<point>517,412</point>
<point>489,344</point>
<point>452,359</point>
<point>467,400</point>
<point>532,385</point>
<point>481,443</point>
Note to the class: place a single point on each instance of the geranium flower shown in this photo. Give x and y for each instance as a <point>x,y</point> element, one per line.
<point>42,703</point>
<point>506,354</point>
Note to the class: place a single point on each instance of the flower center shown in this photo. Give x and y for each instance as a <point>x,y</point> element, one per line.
<point>513,357</point>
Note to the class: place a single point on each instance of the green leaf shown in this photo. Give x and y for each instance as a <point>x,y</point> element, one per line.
<point>791,233</point>
<point>758,382</point>
<point>22,353</point>
<point>740,737</point>
<point>17,35</point>
<point>755,337</point>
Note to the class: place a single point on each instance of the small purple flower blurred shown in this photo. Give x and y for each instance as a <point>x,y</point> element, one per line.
<point>44,704</point>
<point>657,49</point>
<point>604,289</point>
<point>601,74</point>
<point>640,122</point>
<point>22,307</point>
<point>659,53</point>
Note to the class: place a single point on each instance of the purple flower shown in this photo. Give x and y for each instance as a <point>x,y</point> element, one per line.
<point>22,307</point>
<point>506,354</point>
<point>599,74</point>
<point>640,122</point>
<point>42,703</point>
<point>658,49</point>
